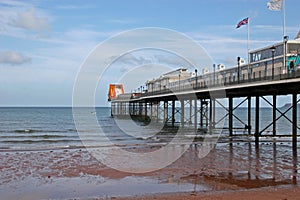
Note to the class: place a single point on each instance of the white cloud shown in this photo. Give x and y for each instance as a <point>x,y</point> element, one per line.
<point>30,21</point>
<point>12,3</point>
<point>122,21</point>
<point>74,7</point>
<point>20,19</point>
<point>13,58</point>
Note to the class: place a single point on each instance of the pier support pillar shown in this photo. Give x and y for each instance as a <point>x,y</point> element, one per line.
<point>182,113</point>
<point>151,110</point>
<point>201,113</point>
<point>294,102</point>
<point>195,115</point>
<point>210,114</point>
<point>249,115</point>
<point>214,113</point>
<point>173,113</point>
<point>117,109</point>
<point>274,114</point>
<point>146,110</point>
<point>140,109</point>
<point>206,113</point>
<point>133,108</point>
<point>191,112</point>
<point>112,107</point>
<point>230,115</point>
<point>166,114</point>
<point>157,111</point>
<point>256,134</point>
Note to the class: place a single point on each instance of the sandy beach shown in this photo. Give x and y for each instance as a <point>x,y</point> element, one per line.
<point>258,194</point>
<point>237,171</point>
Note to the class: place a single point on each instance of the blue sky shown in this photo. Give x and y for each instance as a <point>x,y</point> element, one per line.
<point>44,43</point>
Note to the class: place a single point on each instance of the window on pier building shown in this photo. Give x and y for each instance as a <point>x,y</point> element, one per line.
<point>293,48</point>
<point>266,53</point>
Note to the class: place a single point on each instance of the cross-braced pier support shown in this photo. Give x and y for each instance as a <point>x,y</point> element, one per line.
<point>203,114</point>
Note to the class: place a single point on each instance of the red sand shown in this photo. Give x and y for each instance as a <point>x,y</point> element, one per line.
<point>257,194</point>
<point>233,172</point>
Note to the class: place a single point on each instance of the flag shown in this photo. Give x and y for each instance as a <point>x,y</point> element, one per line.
<point>243,22</point>
<point>275,5</point>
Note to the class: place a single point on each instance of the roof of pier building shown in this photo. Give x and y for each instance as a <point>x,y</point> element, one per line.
<point>172,76</point>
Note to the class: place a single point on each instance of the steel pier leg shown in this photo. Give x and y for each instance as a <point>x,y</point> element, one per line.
<point>190,117</point>
<point>157,111</point>
<point>294,120</point>
<point>195,113</point>
<point>210,114</point>
<point>166,112</point>
<point>214,113</point>
<point>274,114</point>
<point>230,116</point>
<point>173,113</point>
<point>257,120</point>
<point>182,112</point>
<point>146,110</point>
<point>201,113</point>
<point>249,115</point>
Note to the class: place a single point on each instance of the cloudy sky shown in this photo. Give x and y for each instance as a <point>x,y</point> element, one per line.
<point>45,43</point>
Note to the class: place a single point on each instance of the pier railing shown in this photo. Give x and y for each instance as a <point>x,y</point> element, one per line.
<point>219,80</point>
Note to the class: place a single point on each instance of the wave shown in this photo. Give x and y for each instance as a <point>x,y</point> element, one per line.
<point>35,136</point>
<point>52,146</point>
<point>39,148</point>
<point>40,141</point>
<point>26,131</point>
<point>38,131</point>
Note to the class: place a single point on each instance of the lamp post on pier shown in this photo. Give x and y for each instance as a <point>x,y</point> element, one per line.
<point>273,55</point>
<point>238,70</point>
<point>285,40</point>
<point>196,71</point>
<point>179,82</point>
<point>214,66</point>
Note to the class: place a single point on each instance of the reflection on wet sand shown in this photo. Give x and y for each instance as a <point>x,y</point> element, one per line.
<point>295,165</point>
<point>244,165</point>
<point>231,165</point>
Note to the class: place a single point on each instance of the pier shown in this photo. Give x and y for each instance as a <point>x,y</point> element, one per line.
<point>188,99</point>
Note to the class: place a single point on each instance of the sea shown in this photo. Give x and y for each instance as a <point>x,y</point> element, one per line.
<point>25,128</point>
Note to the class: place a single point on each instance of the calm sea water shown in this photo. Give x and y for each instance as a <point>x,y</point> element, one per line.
<point>38,128</point>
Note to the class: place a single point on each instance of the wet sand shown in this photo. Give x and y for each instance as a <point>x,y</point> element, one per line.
<point>257,194</point>
<point>230,171</point>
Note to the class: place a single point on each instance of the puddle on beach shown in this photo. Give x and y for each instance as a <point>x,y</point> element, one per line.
<point>92,187</point>
<point>74,173</point>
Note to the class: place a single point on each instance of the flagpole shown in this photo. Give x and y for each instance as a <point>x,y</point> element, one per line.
<point>248,46</point>
<point>284,13</point>
<point>279,5</point>
<point>284,39</point>
<point>248,41</point>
